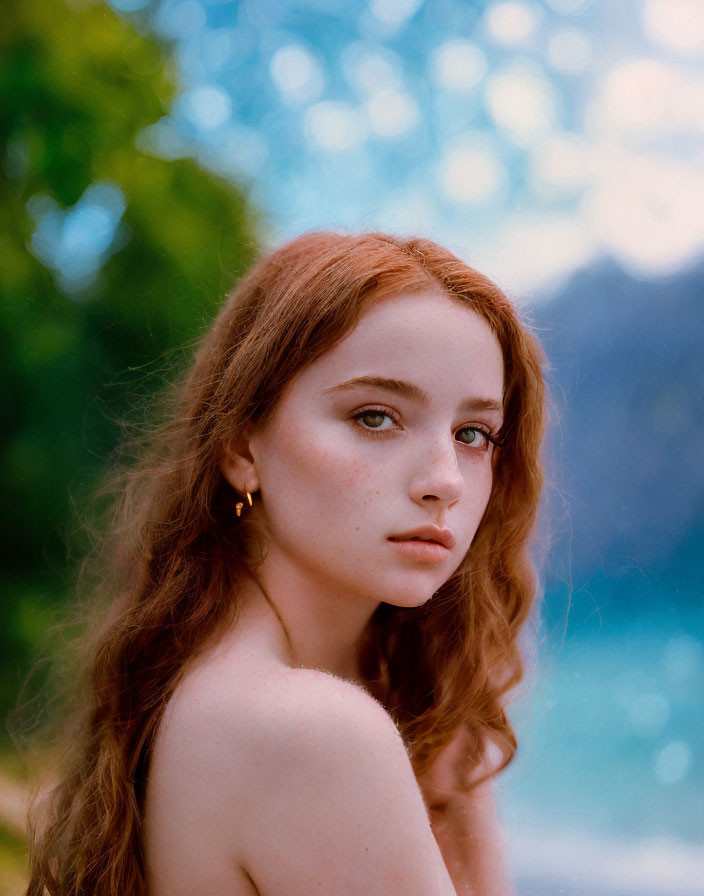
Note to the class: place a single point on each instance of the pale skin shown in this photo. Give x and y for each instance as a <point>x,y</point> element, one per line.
<point>329,492</point>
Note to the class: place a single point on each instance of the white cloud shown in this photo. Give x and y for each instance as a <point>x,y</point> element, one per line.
<point>535,251</point>
<point>521,101</point>
<point>643,98</point>
<point>207,107</point>
<point>457,65</point>
<point>560,165</point>
<point>645,211</point>
<point>470,172</point>
<point>392,113</point>
<point>335,126</point>
<point>570,50</point>
<point>296,74</point>
<point>370,67</point>
<point>512,22</point>
<point>677,24</point>
<point>394,12</point>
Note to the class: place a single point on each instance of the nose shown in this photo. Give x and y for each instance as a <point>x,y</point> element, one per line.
<point>439,479</point>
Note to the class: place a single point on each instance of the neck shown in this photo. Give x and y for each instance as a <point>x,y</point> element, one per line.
<point>317,630</point>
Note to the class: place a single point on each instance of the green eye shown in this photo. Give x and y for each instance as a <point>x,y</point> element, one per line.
<point>476,436</point>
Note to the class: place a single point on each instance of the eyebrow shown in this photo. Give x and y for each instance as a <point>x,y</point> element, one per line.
<point>415,393</point>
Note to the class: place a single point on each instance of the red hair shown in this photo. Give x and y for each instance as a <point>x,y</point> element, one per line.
<point>171,585</point>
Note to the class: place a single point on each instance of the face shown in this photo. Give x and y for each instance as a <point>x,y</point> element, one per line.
<point>341,468</point>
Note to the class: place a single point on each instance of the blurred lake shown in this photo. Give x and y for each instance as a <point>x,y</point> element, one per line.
<point>606,794</point>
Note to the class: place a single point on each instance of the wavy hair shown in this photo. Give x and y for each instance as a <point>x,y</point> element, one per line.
<point>177,552</point>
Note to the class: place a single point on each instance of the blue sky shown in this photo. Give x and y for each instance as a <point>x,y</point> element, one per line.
<point>529,137</point>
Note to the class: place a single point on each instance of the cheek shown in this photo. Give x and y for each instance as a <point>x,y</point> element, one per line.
<point>319,494</point>
<point>318,465</point>
<point>480,492</point>
<point>487,483</point>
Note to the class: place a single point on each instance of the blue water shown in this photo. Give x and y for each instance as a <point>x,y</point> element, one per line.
<point>607,789</point>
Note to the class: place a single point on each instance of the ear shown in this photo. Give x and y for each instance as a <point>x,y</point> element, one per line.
<point>238,467</point>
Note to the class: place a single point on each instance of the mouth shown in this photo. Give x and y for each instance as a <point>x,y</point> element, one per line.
<point>443,537</point>
<point>421,549</point>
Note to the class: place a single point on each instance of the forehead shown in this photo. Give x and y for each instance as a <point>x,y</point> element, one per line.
<point>426,336</point>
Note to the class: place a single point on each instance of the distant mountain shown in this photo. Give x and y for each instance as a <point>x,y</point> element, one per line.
<point>627,447</point>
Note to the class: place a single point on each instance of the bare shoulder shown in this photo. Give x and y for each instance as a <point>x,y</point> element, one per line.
<point>323,697</point>
<point>286,781</point>
<point>222,726</point>
<point>222,717</point>
<point>306,714</point>
<point>330,792</point>
<point>309,715</point>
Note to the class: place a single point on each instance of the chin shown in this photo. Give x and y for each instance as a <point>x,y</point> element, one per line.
<point>408,597</point>
<point>408,604</point>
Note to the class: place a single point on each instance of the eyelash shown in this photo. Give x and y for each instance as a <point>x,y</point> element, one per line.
<point>492,438</point>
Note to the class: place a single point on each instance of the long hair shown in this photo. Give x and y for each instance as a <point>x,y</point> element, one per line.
<point>171,586</point>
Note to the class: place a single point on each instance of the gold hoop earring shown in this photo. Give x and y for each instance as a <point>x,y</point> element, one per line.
<point>239,505</point>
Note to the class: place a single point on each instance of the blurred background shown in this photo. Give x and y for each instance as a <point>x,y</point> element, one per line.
<point>148,150</point>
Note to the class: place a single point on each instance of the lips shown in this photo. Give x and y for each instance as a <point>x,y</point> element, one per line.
<point>431,534</point>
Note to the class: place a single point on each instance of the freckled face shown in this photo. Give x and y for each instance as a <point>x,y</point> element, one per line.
<point>334,488</point>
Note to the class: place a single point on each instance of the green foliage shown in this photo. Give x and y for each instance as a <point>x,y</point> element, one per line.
<point>78,85</point>
<point>13,862</point>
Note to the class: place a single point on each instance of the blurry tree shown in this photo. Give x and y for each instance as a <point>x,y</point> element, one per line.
<point>109,257</point>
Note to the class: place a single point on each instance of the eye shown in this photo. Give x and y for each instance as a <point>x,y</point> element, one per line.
<point>477,438</point>
<point>369,421</point>
<point>373,414</point>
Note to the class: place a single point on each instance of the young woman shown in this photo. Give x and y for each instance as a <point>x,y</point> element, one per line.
<point>299,684</point>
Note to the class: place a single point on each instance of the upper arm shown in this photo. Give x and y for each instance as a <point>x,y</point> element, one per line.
<point>331,803</point>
